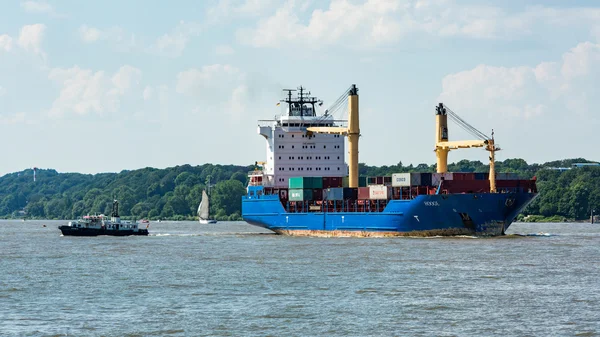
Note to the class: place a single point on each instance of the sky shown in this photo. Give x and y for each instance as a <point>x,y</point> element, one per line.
<point>106,86</point>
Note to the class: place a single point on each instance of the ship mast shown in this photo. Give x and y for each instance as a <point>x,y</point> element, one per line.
<point>353,133</point>
<point>297,104</point>
<point>443,146</point>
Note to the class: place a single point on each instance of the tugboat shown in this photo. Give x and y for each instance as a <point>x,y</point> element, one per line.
<point>94,225</point>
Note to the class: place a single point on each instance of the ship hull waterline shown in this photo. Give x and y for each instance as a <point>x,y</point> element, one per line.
<point>71,231</point>
<point>479,214</point>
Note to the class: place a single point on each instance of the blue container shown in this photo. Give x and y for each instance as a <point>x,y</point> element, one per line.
<point>334,193</point>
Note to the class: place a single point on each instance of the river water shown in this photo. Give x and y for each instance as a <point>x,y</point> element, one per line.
<point>232,279</point>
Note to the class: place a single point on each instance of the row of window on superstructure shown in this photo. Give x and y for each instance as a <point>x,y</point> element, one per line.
<point>310,158</point>
<point>306,124</point>
<point>307,169</point>
<point>305,136</point>
<point>309,146</point>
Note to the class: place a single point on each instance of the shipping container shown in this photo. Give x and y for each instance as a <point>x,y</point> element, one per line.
<point>363,193</point>
<point>401,179</point>
<point>300,194</point>
<point>316,182</point>
<point>466,186</point>
<point>425,179</point>
<point>463,176</point>
<point>387,181</point>
<point>299,182</point>
<point>362,182</point>
<point>379,180</point>
<point>437,177</point>
<point>317,194</point>
<point>350,193</point>
<point>371,181</point>
<point>329,182</point>
<point>336,193</point>
<point>507,176</point>
<point>379,192</point>
<point>340,193</point>
<point>482,176</point>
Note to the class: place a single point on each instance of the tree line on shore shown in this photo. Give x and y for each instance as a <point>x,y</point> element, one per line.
<point>175,192</point>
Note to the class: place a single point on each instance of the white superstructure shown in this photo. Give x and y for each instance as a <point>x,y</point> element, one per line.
<point>294,152</point>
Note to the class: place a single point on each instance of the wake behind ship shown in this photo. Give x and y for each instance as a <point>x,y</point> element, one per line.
<point>306,188</point>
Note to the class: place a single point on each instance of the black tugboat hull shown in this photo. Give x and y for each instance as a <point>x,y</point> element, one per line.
<point>71,231</point>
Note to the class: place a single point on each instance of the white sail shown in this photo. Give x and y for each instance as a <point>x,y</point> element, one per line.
<point>203,207</point>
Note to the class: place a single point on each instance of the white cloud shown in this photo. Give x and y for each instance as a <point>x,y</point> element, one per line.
<point>375,22</point>
<point>225,9</point>
<point>5,42</point>
<point>115,35</point>
<point>90,34</point>
<point>126,78</point>
<point>37,7</point>
<point>174,43</point>
<point>16,118</point>
<point>224,50</point>
<point>148,93</point>
<point>84,91</point>
<point>31,37</point>
<point>563,88</point>
<point>220,87</point>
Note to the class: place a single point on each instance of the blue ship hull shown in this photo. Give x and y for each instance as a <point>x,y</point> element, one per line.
<point>449,214</point>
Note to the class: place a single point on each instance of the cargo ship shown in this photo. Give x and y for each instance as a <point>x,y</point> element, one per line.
<point>306,188</point>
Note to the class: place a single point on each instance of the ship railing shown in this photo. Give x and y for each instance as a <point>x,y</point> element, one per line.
<point>335,206</point>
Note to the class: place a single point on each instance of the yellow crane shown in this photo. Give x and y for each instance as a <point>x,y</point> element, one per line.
<point>443,146</point>
<point>352,132</point>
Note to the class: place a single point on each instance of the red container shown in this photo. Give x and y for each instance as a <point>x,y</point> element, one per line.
<point>317,194</point>
<point>379,180</point>
<point>466,186</point>
<point>363,193</point>
<point>463,176</point>
<point>332,182</point>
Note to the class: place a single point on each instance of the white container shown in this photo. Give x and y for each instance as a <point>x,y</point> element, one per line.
<point>378,192</point>
<point>437,177</point>
<point>401,179</point>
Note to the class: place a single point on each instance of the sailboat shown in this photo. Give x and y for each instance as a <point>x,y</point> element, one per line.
<point>203,210</point>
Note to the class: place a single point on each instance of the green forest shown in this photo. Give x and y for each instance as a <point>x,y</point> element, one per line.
<point>175,192</point>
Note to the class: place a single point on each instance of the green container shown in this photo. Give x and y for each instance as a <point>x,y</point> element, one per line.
<point>317,182</point>
<point>362,182</point>
<point>305,182</point>
<point>299,182</point>
<point>300,194</point>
